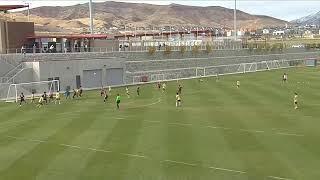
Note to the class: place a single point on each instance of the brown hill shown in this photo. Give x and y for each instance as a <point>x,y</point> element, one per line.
<point>117,14</point>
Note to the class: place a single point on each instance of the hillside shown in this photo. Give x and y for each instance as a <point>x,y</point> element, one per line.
<point>117,14</point>
<point>312,19</point>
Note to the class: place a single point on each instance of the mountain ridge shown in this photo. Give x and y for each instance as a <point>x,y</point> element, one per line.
<point>117,14</point>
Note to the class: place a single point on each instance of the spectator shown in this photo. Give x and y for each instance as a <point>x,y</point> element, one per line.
<point>23,50</point>
<point>34,48</point>
<point>51,49</point>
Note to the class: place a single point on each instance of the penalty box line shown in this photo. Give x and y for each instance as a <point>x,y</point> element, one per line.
<point>231,129</point>
<point>141,156</point>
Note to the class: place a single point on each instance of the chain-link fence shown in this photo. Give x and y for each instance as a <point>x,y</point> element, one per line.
<point>194,72</point>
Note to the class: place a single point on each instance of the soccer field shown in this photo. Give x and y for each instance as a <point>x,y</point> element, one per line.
<point>220,132</point>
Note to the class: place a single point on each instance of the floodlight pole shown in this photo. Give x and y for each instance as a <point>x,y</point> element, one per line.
<point>28,12</point>
<point>235,20</point>
<point>91,16</point>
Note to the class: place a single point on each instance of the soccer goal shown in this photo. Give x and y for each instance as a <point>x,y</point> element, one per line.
<point>200,71</point>
<point>250,67</point>
<point>157,77</point>
<point>27,89</point>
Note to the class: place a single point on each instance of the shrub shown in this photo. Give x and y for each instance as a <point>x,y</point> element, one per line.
<point>195,49</point>
<point>182,49</point>
<point>152,50</point>
<point>167,50</point>
<point>208,48</point>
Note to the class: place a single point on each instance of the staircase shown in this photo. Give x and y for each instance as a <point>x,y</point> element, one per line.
<point>9,76</point>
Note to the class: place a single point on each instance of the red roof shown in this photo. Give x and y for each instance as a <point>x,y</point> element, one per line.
<point>69,36</point>
<point>11,7</point>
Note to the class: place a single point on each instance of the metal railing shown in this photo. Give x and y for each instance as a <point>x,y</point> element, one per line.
<point>11,73</point>
<point>208,71</point>
<point>120,49</point>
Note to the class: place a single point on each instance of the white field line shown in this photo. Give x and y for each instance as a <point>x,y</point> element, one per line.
<point>13,122</point>
<point>141,156</point>
<point>290,134</point>
<point>119,118</point>
<point>76,147</point>
<point>230,170</point>
<point>250,131</point>
<point>218,127</point>
<point>145,105</point>
<point>179,162</point>
<point>134,155</point>
<point>279,178</point>
<point>225,128</point>
<point>180,124</point>
<point>10,125</point>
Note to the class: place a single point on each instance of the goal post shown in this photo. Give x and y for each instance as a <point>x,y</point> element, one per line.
<point>38,88</point>
<point>200,71</point>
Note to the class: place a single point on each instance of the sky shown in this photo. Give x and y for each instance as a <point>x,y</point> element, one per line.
<point>282,9</point>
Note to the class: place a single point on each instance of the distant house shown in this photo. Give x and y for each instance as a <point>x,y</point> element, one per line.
<point>265,31</point>
<point>278,33</point>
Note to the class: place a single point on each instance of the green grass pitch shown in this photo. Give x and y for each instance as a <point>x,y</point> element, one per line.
<point>220,132</point>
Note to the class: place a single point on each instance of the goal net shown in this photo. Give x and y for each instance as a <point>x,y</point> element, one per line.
<point>38,88</point>
<point>250,67</point>
<point>157,77</point>
<point>200,71</point>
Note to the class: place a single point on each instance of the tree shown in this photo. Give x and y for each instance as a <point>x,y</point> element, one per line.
<point>208,48</point>
<point>151,50</point>
<point>195,49</point>
<point>182,49</point>
<point>167,50</point>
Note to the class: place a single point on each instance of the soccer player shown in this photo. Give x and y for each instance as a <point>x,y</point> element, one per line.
<point>217,77</point>
<point>179,89</point>
<point>138,90</point>
<point>285,77</point>
<point>238,84</point>
<point>22,99</point>
<point>102,92</point>
<point>67,94</point>
<point>110,90</point>
<point>57,98</point>
<point>80,91</point>
<point>118,101</point>
<point>105,97</point>
<point>50,96</point>
<point>32,97</point>
<point>200,79</point>
<point>75,93</point>
<point>127,92</point>
<point>45,97</point>
<point>178,100</point>
<point>295,100</point>
<point>40,102</point>
<point>159,85</point>
<point>164,86</point>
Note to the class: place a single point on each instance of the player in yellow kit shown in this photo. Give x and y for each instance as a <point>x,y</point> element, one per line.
<point>57,98</point>
<point>295,100</point>
<point>238,84</point>
<point>40,102</point>
<point>178,100</point>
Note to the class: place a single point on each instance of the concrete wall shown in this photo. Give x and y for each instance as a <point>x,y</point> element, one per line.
<point>4,68</point>
<point>25,75</point>
<point>139,56</point>
<point>68,70</point>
